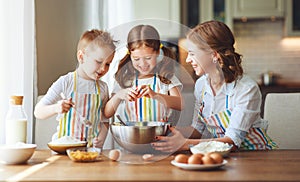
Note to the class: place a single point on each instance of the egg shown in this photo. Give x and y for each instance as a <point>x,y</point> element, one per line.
<point>218,159</point>
<point>199,155</point>
<point>195,159</point>
<point>181,158</point>
<point>148,157</point>
<point>114,154</point>
<point>206,159</point>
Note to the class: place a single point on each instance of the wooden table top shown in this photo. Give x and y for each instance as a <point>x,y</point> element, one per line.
<point>278,165</point>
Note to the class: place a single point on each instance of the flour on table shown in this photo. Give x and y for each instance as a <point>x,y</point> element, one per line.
<point>212,146</point>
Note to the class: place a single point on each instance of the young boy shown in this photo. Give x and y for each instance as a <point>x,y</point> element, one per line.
<point>80,94</point>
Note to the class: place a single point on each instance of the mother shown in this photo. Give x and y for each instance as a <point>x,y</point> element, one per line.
<point>227,106</point>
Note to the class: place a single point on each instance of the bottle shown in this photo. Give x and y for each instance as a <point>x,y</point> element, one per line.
<point>16,121</point>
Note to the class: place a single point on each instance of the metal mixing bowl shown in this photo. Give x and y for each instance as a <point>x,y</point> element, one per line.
<point>137,137</point>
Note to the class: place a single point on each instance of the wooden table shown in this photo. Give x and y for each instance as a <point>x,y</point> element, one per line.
<point>279,165</point>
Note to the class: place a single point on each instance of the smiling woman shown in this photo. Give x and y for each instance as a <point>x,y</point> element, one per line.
<point>17,57</point>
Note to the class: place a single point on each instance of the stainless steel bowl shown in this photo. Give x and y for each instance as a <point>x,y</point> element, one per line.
<point>137,137</point>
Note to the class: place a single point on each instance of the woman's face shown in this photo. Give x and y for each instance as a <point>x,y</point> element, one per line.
<point>96,62</point>
<point>201,60</point>
<point>144,60</point>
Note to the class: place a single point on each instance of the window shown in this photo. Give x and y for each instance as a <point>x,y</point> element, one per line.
<point>16,57</point>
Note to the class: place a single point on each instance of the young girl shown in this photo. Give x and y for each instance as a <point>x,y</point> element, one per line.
<point>146,86</point>
<point>227,107</point>
<point>80,94</point>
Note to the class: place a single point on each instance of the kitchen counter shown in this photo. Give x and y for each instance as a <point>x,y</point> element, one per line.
<point>278,165</point>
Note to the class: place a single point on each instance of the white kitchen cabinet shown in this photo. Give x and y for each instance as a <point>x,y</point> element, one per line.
<point>166,9</point>
<point>161,10</point>
<point>207,12</point>
<point>258,8</point>
<point>292,19</point>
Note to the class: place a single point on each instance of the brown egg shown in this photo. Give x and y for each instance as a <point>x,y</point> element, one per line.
<point>218,159</point>
<point>200,155</point>
<point>195,159</point>
<point>148,157</point>
<point>114,154</point>
<point>206,159</point>
<point>181,158</point>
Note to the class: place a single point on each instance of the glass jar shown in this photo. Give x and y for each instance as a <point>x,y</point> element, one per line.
<point>16,121</point>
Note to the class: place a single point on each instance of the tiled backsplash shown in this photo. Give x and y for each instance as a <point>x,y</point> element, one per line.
<point>264,48</point>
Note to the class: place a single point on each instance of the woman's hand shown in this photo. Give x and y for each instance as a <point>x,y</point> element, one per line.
<point>172,143</point>
<point>63,106</point>
<point>145,90</point>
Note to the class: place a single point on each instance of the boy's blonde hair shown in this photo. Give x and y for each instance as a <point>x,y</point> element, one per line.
<point>98,37</point>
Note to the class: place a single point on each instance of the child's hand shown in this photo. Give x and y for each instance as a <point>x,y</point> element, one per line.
<point>98,143</point>
<point>128,94</point>
<point>145,90</point>
<point>63,106</point>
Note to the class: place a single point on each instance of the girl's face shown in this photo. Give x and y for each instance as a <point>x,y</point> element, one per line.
<point>144,60</point>
<point>95,62</point>
<point>200,59</point>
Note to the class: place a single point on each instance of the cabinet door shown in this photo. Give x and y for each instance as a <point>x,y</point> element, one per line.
<point>292,19</point>
<point>160,10</point>
<point>258,8</point>
<point>211,10</point>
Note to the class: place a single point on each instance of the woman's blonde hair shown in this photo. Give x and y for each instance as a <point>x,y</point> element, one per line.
<point>139,36</point>
<point>217,36</point>
<point>97,37</point>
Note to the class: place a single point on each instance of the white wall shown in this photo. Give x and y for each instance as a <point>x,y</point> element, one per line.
<point>59,24</point>
<point>264,48</point>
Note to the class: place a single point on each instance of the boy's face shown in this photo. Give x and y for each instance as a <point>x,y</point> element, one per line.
<point>95,62</point>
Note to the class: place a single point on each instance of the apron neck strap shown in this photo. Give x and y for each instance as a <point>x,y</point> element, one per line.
<point>137,80</point>
<point>97,86</point>
<point>227,98</point>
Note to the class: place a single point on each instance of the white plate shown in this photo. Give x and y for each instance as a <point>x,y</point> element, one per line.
<point>198,166</point>
<point>224,153</point>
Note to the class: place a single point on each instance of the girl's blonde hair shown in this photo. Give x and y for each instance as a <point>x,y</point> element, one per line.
<point>97,37</point>
<point>139,36</point>
<point>217,36</point>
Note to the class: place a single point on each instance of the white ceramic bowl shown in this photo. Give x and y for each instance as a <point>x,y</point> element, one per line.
<point>17,153</point>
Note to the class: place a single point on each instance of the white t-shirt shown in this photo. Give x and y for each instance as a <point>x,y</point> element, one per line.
<point>244,103</point>
<point>65,85</point>
<point>164,89</point>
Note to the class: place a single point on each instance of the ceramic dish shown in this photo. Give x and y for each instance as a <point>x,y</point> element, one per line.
<point>212,146</point>
<point>62,148</point>
<point>84,154</point>
<point>17,153</point>
<point>198,166</point>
